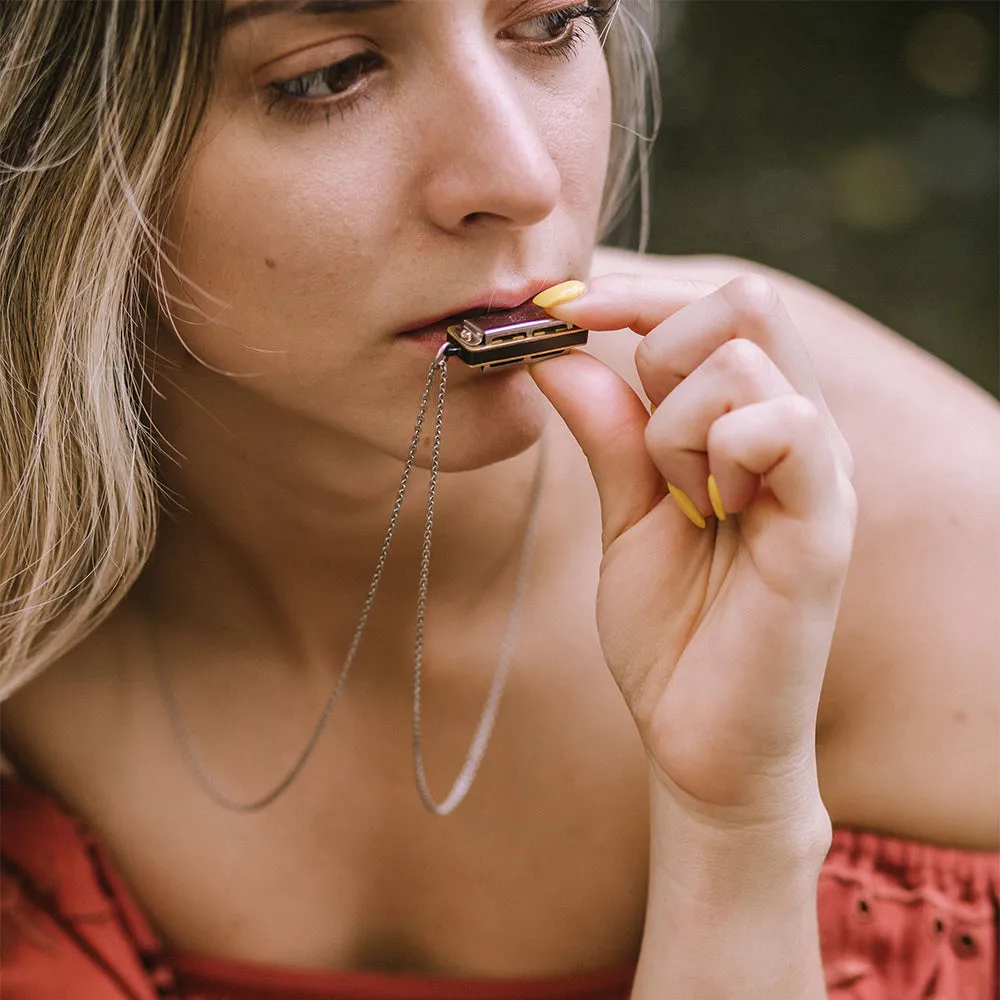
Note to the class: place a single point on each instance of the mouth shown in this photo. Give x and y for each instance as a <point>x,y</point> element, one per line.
<point>433,328</point>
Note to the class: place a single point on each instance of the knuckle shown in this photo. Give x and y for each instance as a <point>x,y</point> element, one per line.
<point>838,549</point>
<point>828,544</point>
<point>825,552</point>
<point>802,412</point>
<point>831,568</point>
<point>741,358</point>
<point>752,297</point>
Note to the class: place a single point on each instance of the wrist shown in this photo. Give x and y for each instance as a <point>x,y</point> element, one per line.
<point>722,860</point>
<point>700,945</point>
<point>732,902</point>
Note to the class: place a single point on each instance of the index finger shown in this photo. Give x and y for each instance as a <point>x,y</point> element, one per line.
<point>634,301</point>
<point>685,322</point>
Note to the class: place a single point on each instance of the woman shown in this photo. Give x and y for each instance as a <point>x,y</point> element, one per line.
<point>232,235</point>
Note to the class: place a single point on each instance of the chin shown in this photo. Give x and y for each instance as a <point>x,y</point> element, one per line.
<point>488,423</point>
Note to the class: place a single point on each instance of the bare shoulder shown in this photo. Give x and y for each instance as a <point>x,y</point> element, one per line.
<point>910,721</point>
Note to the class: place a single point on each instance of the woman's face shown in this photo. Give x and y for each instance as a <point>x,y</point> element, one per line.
<point>367,166</point>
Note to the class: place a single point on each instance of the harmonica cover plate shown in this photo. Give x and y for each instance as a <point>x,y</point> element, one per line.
<point>512,336</point>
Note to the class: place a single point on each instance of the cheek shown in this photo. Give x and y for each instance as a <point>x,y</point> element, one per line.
<point>277,245</point>
<point>582,144</point>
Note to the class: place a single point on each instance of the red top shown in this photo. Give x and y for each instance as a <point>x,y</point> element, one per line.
<point>898,920</point>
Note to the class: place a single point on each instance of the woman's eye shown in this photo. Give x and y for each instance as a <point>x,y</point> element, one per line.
<point>329,81</point>
<point>555,26</point>
<point>341,85</point>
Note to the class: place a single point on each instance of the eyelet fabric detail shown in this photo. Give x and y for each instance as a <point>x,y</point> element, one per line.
<point>908,921</point>
<point>898,920</point>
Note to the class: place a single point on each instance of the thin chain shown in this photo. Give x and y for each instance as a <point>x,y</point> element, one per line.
<point>183,736</point>
<point>481,738</point>
<point>181,732</point>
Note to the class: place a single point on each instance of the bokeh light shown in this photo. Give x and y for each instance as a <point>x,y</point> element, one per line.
<point>853,144</point>
<point>876,186</point>
<point>949,52</point>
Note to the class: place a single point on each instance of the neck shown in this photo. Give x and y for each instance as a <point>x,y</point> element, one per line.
<point>274,533</point>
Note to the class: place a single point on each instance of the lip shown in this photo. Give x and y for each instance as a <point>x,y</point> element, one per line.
<point>496,301</point>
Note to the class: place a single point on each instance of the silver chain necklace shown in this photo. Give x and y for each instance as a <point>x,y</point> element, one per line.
<point>484,730</point>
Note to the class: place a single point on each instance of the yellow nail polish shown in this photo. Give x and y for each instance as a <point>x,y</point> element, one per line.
<point>686,504</point>
<point>713,495</point>
<point>652,408</point>
<point>557,294</point>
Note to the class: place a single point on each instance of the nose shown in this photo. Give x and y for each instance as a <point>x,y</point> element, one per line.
<point>486,151</point>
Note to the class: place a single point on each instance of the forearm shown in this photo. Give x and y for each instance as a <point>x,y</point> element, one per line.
<point>731,914</point>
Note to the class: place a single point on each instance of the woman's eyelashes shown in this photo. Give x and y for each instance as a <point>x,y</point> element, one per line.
<point>557,32</point>
<point>346,81</point>
<point>342,85</point>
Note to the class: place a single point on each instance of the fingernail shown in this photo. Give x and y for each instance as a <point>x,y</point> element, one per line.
<point>566,291</point>
<point>713,495</point>
<point>686,504</point>
<point>652,408</point>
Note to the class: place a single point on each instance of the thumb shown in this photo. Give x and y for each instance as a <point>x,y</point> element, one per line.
<point>608,421</point>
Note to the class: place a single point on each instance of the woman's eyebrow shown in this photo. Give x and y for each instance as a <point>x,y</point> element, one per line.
<point>261,8</point>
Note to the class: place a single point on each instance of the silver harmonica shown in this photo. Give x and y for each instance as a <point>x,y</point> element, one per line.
<point>511,337</point>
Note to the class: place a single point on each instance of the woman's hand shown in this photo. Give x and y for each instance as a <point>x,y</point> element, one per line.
<point>718,636</point>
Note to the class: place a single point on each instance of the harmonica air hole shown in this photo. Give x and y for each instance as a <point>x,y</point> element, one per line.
<point>525,360</point>
<point>504,364</point>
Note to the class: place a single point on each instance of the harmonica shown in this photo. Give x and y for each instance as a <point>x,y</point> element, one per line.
<point>511,337</point>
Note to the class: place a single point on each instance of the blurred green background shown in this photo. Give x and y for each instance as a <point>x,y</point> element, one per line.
<point>854,144</point>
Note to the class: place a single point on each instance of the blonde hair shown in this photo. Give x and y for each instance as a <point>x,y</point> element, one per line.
<point>99,103</point>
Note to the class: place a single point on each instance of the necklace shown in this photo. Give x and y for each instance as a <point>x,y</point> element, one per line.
<point>484,729</point>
